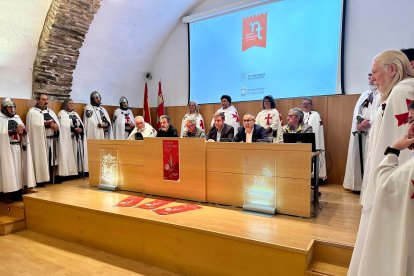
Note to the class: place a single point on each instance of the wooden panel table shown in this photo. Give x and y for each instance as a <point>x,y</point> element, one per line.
<point>224,164</point>
<point>209,172</point>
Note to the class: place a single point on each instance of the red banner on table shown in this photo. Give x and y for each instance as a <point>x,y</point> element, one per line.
<point>171,160</point>
<point>130,201</point>
<point>155,204</point>
<point>176,209</point>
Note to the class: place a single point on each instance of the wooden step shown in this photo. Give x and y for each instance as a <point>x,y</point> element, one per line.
<point>10,224</point>
<point>327,258</point>
<point>318,268</point>
<point>15,209</point>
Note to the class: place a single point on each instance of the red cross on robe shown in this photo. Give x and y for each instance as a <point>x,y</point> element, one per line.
<point>403,117</point>
<point>235,117</point>
<point>202,124</point>
<point>268,117</point>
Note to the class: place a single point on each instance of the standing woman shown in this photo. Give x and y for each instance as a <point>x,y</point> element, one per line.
<point>192,111</point>
<point>269,119</point>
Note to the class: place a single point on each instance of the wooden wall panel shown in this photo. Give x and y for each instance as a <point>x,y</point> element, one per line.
<point>176,113</point>
<point>339,120</point>
<point>283,107</point>
<point>208,110</point>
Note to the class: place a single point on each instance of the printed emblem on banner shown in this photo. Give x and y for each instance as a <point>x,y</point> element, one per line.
<point>171,160</point>
<point>254,31</point>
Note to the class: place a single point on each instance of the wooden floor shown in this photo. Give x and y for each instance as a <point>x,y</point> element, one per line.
<point>336,222</point>
<point>30,253</point>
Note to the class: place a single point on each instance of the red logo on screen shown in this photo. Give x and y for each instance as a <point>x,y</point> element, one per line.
<point>254,31</point>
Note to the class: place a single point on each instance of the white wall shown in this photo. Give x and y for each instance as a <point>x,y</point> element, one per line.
<point>171,66</point>
<point>21,22</point>
<point>121,45</point>
<point>373,26</point>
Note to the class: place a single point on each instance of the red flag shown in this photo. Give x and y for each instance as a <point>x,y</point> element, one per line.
<point>147,114</point>
<point>160,109</point>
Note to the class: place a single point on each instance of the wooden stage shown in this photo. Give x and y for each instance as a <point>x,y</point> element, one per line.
<point>213,240</point>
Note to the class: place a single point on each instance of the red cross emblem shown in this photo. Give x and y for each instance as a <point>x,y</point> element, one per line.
<point>235,117</point>
<point>268,117</point>
<point>403,117</point>
<point>202,124</point>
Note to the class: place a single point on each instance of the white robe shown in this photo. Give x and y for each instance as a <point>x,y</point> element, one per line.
<point>314,120</point>
<point>148,131</point>
<point>69,146</point>
<point>121,117</point>
<point>91,124</point>
<point>273,122</point>
<point>383,133</point>
<point>389,244</point>
<point>198,117</point>
<point>16,165</point>
<point>353,177</point>
<point>40,144</point>
<point>8,181</point>
<point>231,117</point>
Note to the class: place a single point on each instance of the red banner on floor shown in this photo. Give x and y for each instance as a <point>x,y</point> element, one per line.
<point>130,201</point>
<point>155,204</point>
<point>176,209</point>
<point>171,160</point>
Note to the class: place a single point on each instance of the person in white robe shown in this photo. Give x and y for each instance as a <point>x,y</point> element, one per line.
<point>362,120</point>
<point>96,119</point>
<point>269,119</point>
<point>43,128</point>
<point>389,244</point>
<point>123,120</point>
<point>16,165</point>
<point>73,143</point>
<point>193,111</point>
<point>230,113</point>
<point>394,78</point>
<point>313,119</point>
<point>142,130</point>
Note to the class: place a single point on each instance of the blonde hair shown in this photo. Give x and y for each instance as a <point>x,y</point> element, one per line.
<point>196,109</point>
<point>402,64</point>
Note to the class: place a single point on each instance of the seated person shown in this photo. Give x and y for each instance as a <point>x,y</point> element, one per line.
<point>220,129</point>
<point>250,132</point>
<point>295,122</point>
<point>144,129</point>
<point>166,130</point>
<point>191,130</point>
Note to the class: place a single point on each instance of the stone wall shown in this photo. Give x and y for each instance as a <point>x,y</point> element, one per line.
<point>66,25</point>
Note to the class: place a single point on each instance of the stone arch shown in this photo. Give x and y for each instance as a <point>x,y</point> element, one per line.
<point>66,25</point>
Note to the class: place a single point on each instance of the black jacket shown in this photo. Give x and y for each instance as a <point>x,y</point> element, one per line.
<point>258,133</point>
<point>171,132</point>
<point>226,132</point>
